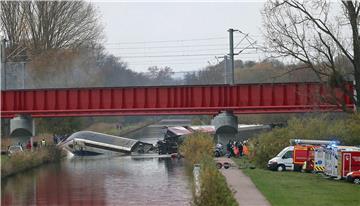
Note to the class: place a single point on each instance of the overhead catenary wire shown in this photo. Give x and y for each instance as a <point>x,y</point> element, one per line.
<point>179,51</point>
<point>176,40</point>
<point>181,55</point>
<point>169,46</point>
<point>157,56</point>
<point>168,62</point>
<point>143,62</point>
<point>194,52</point>
<point>167,41</point>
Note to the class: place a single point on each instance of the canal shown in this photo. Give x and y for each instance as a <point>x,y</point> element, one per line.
<point>146,179</point>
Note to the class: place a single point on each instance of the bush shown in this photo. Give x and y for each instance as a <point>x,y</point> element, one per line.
<point>196,147</point>
<point>267,145</point>
<point>199,148</point>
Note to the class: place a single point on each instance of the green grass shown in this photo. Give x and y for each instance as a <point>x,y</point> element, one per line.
<point>294,188</point>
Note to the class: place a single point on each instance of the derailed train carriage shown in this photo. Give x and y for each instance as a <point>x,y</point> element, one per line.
<point>174,136</point>
<point>88,143</point>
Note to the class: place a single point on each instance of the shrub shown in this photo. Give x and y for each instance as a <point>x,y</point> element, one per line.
<point>267,145</point>
<point>199,148</point>
<point>196,147</point>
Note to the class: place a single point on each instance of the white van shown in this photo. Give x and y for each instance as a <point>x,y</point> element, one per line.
<point>283,161</point>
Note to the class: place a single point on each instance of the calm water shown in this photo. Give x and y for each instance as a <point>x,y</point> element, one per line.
<point>122,180</point>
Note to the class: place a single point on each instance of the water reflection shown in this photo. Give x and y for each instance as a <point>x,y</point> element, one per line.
<point>124,180</point>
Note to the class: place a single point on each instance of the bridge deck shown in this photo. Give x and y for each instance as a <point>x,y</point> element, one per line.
<point>171,100</point>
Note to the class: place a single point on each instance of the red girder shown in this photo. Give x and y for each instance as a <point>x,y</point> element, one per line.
<point>173,100</point>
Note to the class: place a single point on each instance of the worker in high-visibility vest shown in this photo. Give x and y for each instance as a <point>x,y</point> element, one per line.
<point>245,150</point>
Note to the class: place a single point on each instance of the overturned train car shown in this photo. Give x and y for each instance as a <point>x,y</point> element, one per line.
<point>88,143</point>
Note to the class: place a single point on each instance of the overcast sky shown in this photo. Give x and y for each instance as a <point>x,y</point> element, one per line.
<point>185,36</point>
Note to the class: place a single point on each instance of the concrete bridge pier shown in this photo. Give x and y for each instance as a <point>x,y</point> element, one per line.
<point>226,127</point>
<point>22,128</point>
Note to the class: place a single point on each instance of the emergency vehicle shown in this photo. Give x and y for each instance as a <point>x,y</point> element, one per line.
<point>319,160</point>
<point>341,160</point>
<point>297,157</point>
<point>353,177</point>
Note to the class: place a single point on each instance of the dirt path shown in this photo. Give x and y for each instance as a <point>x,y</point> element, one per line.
<point>246,194</point>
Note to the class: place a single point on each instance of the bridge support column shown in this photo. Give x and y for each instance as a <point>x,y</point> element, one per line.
<point>226,126</point>
<point>22,127</point>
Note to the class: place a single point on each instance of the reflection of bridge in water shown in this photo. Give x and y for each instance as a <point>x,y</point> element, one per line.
<point>87,143</point>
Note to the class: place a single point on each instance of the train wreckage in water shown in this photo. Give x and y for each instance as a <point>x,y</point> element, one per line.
<point>88,143</point>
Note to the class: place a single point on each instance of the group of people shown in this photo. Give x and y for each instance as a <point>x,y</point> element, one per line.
<point>236,149</point>
<point>34,144</point>
<point>42,143</point>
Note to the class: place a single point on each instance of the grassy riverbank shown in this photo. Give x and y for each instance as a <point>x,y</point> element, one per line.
<point>295,188</point>
<point>198,148</point>
<point>27,160</point>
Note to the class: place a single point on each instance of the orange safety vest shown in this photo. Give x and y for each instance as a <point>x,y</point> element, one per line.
<point>245,150</point>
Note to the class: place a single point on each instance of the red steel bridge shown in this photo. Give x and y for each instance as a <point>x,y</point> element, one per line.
<point>174,100</point>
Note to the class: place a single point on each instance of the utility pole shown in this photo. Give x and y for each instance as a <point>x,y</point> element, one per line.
<point>226,69</point>
<point>3,64</point>
<point>231,55</point>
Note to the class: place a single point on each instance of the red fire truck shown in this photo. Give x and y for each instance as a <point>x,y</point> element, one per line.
<point>304,157</point>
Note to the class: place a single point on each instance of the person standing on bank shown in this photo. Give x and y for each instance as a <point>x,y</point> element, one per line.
<point>240,146</point>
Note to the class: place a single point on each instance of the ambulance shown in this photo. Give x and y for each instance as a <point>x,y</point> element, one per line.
<point>319,160</point>
<point>341,160</point>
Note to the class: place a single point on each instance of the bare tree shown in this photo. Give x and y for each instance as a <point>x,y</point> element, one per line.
<point>12,21</point>
<point>43,25</point>
<point>160,75</point>
<point>316,34</point>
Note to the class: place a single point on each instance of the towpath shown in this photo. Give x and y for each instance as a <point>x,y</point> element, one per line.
<point>245,191</point>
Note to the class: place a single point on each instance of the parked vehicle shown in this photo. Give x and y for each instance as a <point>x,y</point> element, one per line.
<point>14,149</point>
<point>304,156</point>
<point>341,160</point>
<point>296,156</point>
<point>283,161</point>
<point>353,177</point>
<point>319,160</point>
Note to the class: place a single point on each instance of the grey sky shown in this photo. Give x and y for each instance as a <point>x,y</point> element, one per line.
<point>132,28</point>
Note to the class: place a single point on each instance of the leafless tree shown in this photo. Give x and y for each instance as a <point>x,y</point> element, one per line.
<point>317,34</point>
<point>160,75</point>
<point>12,21</point>
<point>43,25</point>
